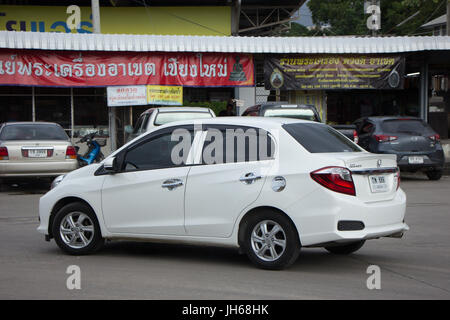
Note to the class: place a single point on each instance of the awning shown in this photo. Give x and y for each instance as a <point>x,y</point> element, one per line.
<point>148,43</point>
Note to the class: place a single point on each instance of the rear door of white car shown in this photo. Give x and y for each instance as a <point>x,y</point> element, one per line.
<point>218,190</point>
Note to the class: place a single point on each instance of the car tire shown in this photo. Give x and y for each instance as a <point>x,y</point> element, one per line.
<point>275,256</point>
<point>76,229</point>
<point>434,174</point>
<point>346,248</point>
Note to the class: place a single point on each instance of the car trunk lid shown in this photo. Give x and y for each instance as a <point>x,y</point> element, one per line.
<point>374,175</point>
<point>28,150</point>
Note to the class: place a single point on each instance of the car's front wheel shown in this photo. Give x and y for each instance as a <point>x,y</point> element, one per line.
<point>76,229</point>
<point>271,241</point>
<point>346,248</point>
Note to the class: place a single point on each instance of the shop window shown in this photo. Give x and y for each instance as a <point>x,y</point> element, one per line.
<point>51,91</point>
<point>95,91</point>
<point>54,109</point>
<point>15,108</point>
<point>15,90</point>
<point>90,114</point>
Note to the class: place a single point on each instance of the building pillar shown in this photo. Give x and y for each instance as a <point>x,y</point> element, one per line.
<point>423,95</point>
<point>33,105</point>
<point>112,128</point>
<point>72,114</point>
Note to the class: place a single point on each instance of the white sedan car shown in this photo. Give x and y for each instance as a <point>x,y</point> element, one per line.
<point>268,186</point>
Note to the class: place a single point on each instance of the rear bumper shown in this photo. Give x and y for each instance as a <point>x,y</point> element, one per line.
<point>431,160</point>
<point>37,169</point>
<point>320,225</point>
<point>428,163</point>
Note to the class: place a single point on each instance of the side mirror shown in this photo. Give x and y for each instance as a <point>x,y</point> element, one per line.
<point>110,165</point>
<point>128,129</point>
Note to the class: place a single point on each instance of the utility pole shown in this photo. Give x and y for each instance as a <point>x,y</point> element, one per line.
<point>95,8</point>
<point>448,17</point>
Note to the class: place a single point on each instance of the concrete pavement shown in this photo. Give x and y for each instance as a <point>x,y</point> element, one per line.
<point>415,267</point>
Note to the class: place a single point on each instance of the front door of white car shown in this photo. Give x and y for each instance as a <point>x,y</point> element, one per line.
<point>218,190</point>
<point>147,196</point>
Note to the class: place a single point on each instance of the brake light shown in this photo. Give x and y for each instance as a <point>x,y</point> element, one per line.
<point>436,137</point>
<point>355,137</point>
<point>384,137</point>
<point>337,179</point>
<point>397,177</point>
<point>4,153</point>
<point>71,153</point>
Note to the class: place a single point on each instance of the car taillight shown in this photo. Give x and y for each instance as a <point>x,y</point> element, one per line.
<point>384,137</point>
<point>436,137</point>
<point>71,153</point>
<point>355,137</point>
<point>397,177</point>
<point>4,153</point>
<point>335,178</point>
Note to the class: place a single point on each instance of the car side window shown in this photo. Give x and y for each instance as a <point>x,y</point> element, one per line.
<point>233,144</point>
<point>166,150</point>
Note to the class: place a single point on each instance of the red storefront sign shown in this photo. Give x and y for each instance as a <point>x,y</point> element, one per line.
<point>72,69</point>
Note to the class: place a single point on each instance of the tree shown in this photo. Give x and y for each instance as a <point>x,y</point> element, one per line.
<point>297,30</point>
<point>347,17</point>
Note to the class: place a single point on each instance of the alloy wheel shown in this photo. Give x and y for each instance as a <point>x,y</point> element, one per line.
<point>268,240</point>
<point>77,230</point>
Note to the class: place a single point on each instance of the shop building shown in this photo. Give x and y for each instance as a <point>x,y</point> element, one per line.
<point>83,108</point>
<point>79,103</point>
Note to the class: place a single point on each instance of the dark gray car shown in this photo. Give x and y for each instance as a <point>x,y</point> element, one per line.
<point>415,143</point>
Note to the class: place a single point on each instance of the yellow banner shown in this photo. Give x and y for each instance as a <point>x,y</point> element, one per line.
<point>121,20</point>
<point>165,95</point>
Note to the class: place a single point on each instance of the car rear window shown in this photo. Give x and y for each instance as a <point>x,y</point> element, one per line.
<point>320,138</point>
<point>166,117</point>
<point>304,114</point>
<point>33,132</point>
<point>405,126</point>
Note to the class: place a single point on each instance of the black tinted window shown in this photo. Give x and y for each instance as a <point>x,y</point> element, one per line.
<point>33,132</point>
<point>237,144</point>
<point>405,126</point>
<point>163,151</point>
<point>320,138</point>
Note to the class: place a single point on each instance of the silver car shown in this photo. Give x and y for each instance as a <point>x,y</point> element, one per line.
<point>35,149</point>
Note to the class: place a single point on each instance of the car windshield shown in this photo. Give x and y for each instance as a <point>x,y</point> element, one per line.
<point>166,117</point>
<point>320,138</point>
<point>411,126</point>
<point>304,114</point>
<point>33,132</point>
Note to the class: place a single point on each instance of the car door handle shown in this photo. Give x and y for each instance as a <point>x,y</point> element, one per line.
<point>249,178</point>
<point>172,184</point>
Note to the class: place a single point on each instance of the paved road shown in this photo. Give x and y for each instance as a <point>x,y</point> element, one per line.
<point>415,267</point>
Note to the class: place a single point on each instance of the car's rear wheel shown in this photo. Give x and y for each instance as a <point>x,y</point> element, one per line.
<point>76,229</point>
<point>434,174</point>
<point>271,240</point>
<point>346,248</point>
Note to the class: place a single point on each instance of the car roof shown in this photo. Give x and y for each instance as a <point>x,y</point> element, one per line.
<point>287,106</point>
<point>178,109</point>
<point>263,122</point>
<point>29,122</point>
<point>384,118</point>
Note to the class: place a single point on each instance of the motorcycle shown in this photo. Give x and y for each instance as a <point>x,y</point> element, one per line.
<point>94,153</point>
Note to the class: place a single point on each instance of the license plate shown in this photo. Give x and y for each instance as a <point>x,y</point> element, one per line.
<point>37,153</point>
<point>378,184</point>
<point>415,160</point>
